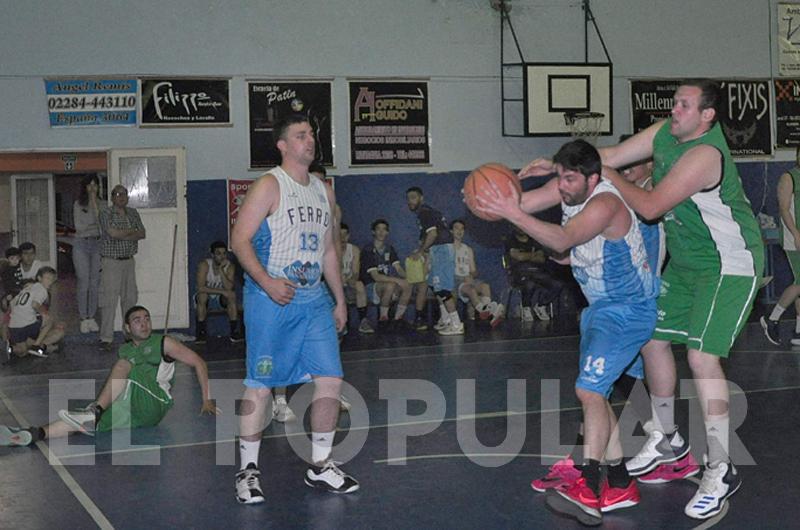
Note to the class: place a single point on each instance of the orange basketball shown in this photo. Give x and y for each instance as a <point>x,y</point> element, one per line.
<point>479,179</point>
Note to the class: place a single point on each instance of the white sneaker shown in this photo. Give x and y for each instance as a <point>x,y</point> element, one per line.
<point>281,411</point>
<point>452,329</point>
<point>344,404</point>
<point>443,323</point>
<point>527,315</point>
<point>541,312</point>
<point>12,436</point>
<point>659,449</point>
<point>498,314</point>
<point>248,485</point>
<point>82,420</point>
<point>84,327</point>
<point>718,483</point>
<point>92,325</point>
<point>330,478</point>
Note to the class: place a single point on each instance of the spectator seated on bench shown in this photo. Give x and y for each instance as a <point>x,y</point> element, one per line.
<point>216,292</point>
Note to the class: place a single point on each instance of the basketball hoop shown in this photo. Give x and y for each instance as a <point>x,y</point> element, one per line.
<point>584,125</point>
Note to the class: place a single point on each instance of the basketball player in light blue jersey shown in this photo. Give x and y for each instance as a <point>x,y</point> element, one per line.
<point>284,241</point>
<point>609,261</point>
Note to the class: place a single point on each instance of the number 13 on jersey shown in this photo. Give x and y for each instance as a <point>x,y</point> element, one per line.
<point>309,241</point>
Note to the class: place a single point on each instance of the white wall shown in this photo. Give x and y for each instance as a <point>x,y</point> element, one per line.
<point>454,43</point>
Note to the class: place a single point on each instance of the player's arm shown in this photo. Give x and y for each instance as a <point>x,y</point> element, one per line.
<point>401,272</point>
<point>356,263</point>
<point>176,350</point>
<point>541,198</point>
<point>430,237</point>
<point>228,271</point>
<point>593,220</point>
<point>473,267</point>
<point>698,169</point>
<point>261,201</point>
<point>785,199</point>
<point>635,149</point>
<point>331,264</point>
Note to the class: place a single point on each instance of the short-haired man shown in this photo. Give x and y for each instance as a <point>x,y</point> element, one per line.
<point>610,262</point>
<point>31,328</point>
<point>216,290</point>
<point>472,290</point>
<point>28,265</point>
<point>789,208</point>
<point>284,242</point>
<point>136,393</point>
<point>121,229</point>
<point>383,275</point>
<point>436,239</point>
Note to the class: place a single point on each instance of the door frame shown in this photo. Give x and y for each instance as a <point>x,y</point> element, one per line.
<point>51,214</point>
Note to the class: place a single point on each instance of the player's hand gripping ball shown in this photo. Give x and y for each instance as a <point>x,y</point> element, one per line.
<point>479,180</point>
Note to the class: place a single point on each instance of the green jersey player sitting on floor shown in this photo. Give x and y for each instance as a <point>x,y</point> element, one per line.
<point>136,393</point>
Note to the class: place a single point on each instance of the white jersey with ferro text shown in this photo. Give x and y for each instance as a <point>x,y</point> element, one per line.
<point>289,243</point>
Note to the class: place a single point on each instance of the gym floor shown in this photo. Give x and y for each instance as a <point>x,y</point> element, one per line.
<point>444,481</point>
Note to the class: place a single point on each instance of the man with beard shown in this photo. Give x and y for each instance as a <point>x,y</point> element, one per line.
<point>609,261</point>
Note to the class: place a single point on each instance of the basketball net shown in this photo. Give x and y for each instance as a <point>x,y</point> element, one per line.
<point>584,125</point>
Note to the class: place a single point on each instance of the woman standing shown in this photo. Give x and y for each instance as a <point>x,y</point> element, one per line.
<point>86,251</point>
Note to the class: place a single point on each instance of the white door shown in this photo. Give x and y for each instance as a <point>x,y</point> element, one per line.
<point>33,215</point>
<point>156,184</point>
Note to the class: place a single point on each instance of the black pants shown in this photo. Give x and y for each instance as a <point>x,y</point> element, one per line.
<point>538,287</point>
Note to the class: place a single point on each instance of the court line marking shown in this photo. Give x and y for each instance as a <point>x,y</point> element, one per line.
<point>466,417</point>
<point>464,455</point>
<point>55,463</point>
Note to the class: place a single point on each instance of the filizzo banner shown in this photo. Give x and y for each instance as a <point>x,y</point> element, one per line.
<point>788,39</point>
<point>744,111</point>
<point>185,102</point>
<point>787,112</point>
<point>389,123</point>
<point>268,101</point>
<point>91,102</point>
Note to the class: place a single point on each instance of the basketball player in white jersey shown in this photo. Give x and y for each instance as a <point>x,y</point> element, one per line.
<point>284,241</point>
<point>216,289</point>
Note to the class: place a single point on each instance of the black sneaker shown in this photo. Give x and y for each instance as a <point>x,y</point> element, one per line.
<point>420,324</point>
<point>201,337</point>
<point>236,337</point>
<point>770,328</point>
<point>248,485</point>
<point>330,478</point>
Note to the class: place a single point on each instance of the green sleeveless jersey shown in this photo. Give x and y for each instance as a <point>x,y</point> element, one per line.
<point>794,208</point>
<point>714,231</point>
<point>149,367</point>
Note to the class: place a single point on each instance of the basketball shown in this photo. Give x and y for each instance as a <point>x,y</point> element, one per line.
<point>479,180</point>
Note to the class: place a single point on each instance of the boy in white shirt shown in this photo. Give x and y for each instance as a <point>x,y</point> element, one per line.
<point>31,329</point>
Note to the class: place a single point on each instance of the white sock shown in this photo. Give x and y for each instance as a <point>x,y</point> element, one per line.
<point>443,311</point>
<point>777,311</point>
<point>485,300</point>
<point>717,428</point>
<point>321,444</point>
<point>663,413</point>
<point>248,452</point>
<point>384,312</point>
<point>454,318</point>
<point>400,311</point>
<point>797,325</point>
